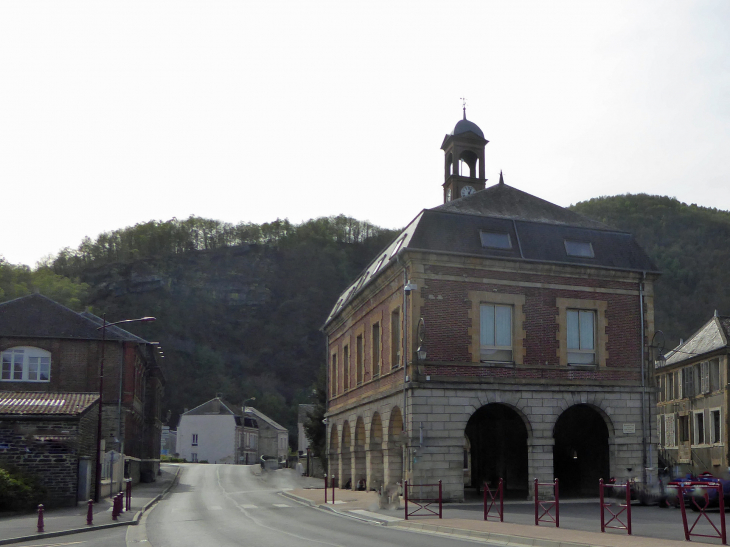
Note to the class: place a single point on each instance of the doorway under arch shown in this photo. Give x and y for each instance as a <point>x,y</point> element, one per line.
<point>581,455</point>
<point>497,437</point>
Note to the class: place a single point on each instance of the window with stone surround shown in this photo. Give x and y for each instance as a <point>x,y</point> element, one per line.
<point>333,375</point>
<point>699,427</point>
<point>195,439</point>
<point>375,353</point>
<point>581,331</point>
<point>26,364</point>
<point>497,327</point>
<point>346,368</point>
<point>581,337</point>
<point>395,339</point>
<point>715,426</point>
<point>359,350</point>
<point>495,332</point>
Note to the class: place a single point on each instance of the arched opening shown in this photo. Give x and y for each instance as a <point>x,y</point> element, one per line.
<point>334,459</point>
<point>580,456</point>
<point>375,470</point>
<point>359,472</point>
<point>448,165</point>
<point>497,436</point>
<point>345,458</point>
<point>468,164</point>
<point>393,455</point>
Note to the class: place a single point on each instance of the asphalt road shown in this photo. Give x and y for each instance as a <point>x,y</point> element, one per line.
<point>111,537</point>
<point>227,505</point>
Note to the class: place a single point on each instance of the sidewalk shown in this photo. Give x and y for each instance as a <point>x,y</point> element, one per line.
<point>70,520</point>
<point>364,505</point>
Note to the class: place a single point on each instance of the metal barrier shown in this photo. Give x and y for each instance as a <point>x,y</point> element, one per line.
<point>424,504</point>
<point>492,500</point>
<point>547,505</point>
<point>129,495</point>
<point>615,516</point>
<point>702,509</point>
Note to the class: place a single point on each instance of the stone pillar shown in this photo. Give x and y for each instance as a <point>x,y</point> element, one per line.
<point>374,468</point>
<point>539,462</point>
<point>345,468</point>
<point>333,465</point>
<point>358,465</point>
<point>393,463</point>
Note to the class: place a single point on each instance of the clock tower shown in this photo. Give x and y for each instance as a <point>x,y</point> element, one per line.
<point>464,160</point>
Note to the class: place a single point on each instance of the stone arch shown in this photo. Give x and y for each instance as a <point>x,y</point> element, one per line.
<point>498,434</point>
<point>393,450</point>
<point>448,165</point>
<point>333,462</point>
<point>374,454</point>
<point>358,456</point>
<point>345,456</point>
<point>470,159</point>
<point>581,455</point>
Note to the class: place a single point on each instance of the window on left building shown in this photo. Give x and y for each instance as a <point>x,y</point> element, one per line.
<point>495,332</point>
<point>581,337</point>
<point>26,364</point>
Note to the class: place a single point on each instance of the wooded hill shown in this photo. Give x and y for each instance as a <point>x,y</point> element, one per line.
<point>239,307</point>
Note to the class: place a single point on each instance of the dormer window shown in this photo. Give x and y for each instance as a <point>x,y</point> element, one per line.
<point>580,249</point>
<point>380,263</point>
<point>26,364</point>
<point>397,247</point>
<point>496,240</point>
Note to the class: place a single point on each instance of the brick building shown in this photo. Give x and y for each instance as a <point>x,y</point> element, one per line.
<point>534,321</point>
<point>46,347</point>
<point>693,406</point>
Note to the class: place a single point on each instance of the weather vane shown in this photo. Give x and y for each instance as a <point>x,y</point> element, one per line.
<point>463,105</point>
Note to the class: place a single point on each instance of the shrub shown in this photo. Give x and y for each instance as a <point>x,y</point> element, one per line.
<point>18,491</point>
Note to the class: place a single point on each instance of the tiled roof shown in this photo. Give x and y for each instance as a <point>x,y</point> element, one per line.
<point>36,316</point>
<point>537,230</point>
<point>41,403</point>
<point>261,416</point>
<point>712,336</point>
<point>214,406</point>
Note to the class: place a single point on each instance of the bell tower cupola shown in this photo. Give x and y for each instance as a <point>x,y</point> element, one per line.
<point>463,160</point>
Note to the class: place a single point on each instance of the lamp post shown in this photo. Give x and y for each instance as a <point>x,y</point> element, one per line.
<point>244,403</point>
<point>104,326</point>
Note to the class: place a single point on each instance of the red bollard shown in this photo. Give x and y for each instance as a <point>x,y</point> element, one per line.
<point>325,488</point>
<point>114,509</point>
<point>90,513</point>
<point>40,518</point>
<point>334,478</point>
<point>129,494</point>
<point>120,501</point>
<point>405,496</point>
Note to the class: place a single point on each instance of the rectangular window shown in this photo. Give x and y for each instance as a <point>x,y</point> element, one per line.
<point>688,382</point>
<point>715,375</point>
<point>346,368</point>
<point>194,457</point>
<point>705,376</point>
<point>670,439</point>
<point>195,439</point>
<point>581,337</point>
<point>660,430</point>
<point>333,377</point>
<point>395,339</point>
<point>359,359</point>
<point>26,365</point>
<point>495,332</point>
<point>661,381</point>
<point>670,386</point>
<point>683,429</point>
<point>715,427</point>
<point>376,350</point>
<point>495,240</point>
<point>699,419</point>
<point>582,249</point>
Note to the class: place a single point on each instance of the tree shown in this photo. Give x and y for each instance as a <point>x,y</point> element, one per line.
<point>314,427</point>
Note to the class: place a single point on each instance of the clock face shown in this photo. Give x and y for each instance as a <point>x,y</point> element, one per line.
<point>467,190</point>
<point>448,194</point>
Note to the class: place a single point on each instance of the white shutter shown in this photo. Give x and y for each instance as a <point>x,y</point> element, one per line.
<point>670,438</point>
<point>659,424</point>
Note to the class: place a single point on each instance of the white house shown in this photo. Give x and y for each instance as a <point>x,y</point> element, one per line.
<point>216,432</point>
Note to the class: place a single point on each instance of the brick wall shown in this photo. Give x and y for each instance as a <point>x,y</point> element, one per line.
<point>50,449</point>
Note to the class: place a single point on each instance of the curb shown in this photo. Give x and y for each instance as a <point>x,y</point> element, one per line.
<point>491,537</point>
<point>324,507</point>
<point>133,522</point>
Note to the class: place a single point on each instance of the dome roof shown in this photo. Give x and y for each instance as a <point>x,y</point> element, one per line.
<point>463,126</point>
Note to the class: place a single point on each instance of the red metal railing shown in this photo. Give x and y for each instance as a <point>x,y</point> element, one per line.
<point>706,487</point>
<point>615,516</point>
<point>333,488</point>
<point>547,505</point>
<point>498,493</point>
<point>423,504</point>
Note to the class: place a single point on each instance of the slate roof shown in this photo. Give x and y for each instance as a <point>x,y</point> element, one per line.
<point>711,337</point>
<point>214,406</point>
<point>261,416</point>
<point>37,316</point>
<point>23,403</point>
<point>537,229</point>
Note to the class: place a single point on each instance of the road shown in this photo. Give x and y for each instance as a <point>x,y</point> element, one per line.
<point>227,505</point>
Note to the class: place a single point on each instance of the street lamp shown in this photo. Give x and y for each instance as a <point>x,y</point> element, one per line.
<point>104,326</point>
<point>244,403</point>
<point>657,350</point>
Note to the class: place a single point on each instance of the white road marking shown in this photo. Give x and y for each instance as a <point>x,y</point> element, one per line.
<point>248,506</point>
<point>281,505</point>
<point>215,508</point>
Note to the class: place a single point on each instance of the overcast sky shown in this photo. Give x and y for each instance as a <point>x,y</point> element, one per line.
<point>117,113</point>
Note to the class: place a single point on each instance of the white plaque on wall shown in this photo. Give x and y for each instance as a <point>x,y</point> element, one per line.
<point>630,428</point>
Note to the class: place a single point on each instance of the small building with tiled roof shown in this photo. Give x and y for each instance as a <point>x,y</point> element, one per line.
<point>51,436</point>
<point>498,336</point>
<point>273,437</point>
<point>46,347</point>
<point>692,403</point>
